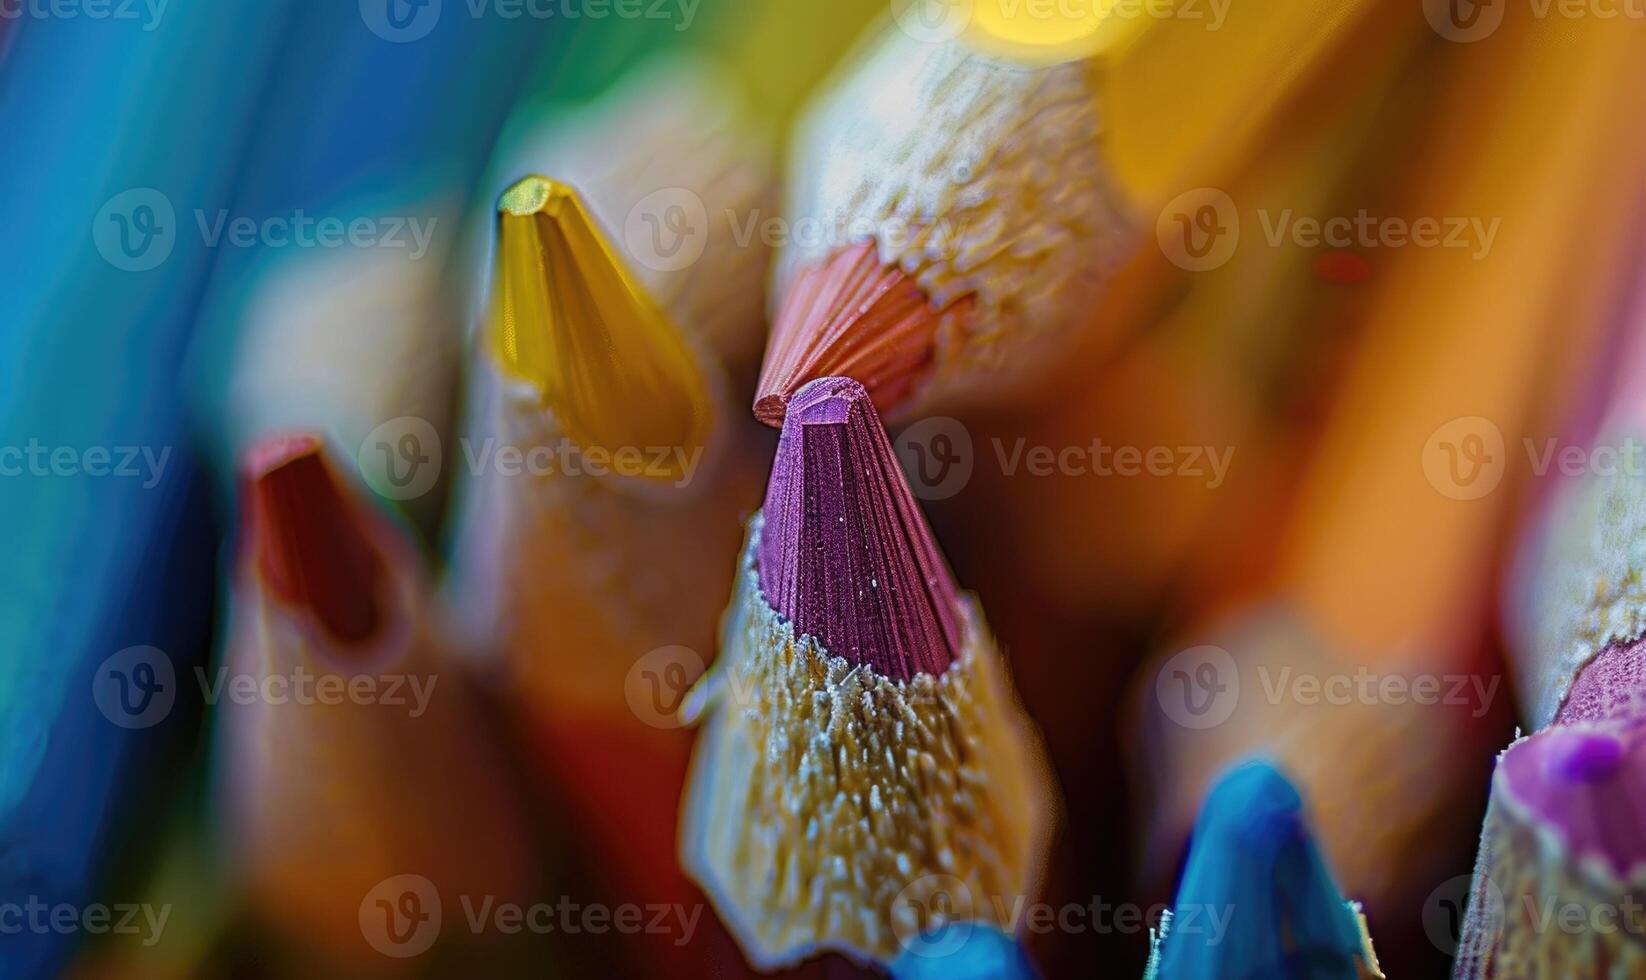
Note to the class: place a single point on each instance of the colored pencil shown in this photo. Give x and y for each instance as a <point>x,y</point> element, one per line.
<point>672,143</point>
<point>1453,340</point>
<point>1231,365</point>
<point>969,195</point>
<point>1560,857</point>
<point>1257,899</point>
<point>590,592</point>
<point>1574,611</point>
<point>863,753</point>
<point>361,758</point>
<point>106,122</point>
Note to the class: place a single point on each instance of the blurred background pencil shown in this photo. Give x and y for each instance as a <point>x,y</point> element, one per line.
<point>352,764</point>
<point>1573,610</point>
<point>1453,374</point>
<point>974,177</point>
<point>109,539</point>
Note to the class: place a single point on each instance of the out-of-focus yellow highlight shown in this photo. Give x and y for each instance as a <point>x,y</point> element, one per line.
<point>1042,30</point>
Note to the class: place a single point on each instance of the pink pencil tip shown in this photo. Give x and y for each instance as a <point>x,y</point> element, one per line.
<point>845,553</point>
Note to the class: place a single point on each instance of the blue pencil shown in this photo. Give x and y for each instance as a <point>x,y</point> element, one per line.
<point>1257,899</point>
<point>116,128</point>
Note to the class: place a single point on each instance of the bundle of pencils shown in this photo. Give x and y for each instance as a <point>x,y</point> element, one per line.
<point>972,189</point>
<point>1459,349</point>
<point>863,752</point>
<point>1250,483</point>
<point>586,574</point>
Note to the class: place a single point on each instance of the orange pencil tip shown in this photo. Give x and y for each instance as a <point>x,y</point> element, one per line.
<point>310,542</point>
<point>850,317</point>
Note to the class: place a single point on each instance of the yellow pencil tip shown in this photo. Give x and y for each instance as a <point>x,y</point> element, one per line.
<point>569,318</point>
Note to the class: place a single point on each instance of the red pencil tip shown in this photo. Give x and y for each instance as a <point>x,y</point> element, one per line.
<point>845,553</point>
<point>850,317</point>
<point>311,543</point>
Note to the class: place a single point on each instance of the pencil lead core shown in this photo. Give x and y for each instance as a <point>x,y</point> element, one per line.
<point>845,552</point>
<point>852,317</point>
<point>311,543</point>
<point>570,319</point>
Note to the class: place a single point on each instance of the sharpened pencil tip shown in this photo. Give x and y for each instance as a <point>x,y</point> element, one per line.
<point>845,552</point>
<point>570,319</point>
<point>310,541</point>
<point>851,317</point>
<point>1253,855</point>
<point>534,195</point>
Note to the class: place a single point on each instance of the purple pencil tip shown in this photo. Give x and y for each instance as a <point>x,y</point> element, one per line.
<point>845,554</point>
